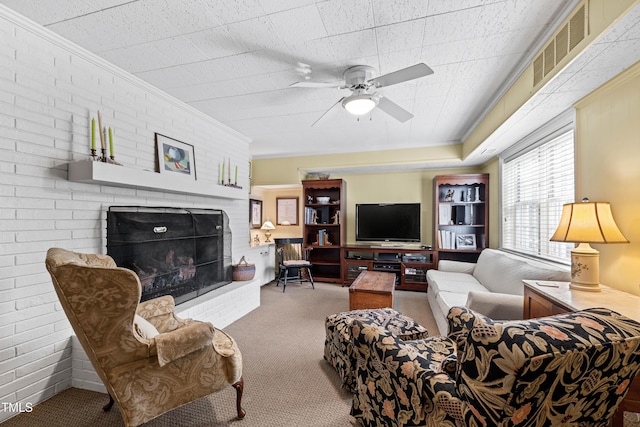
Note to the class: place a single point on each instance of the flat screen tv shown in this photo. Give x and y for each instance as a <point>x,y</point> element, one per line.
<point>388,222</point>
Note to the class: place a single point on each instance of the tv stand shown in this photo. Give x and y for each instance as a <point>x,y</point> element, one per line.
<point>410,265</point>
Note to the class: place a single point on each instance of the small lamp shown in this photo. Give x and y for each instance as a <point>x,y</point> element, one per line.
<point>268,225</point>
<point>584,223</point>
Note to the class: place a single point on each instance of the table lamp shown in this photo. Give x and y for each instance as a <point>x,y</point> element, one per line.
<point>587,222</point>
<point>268,225</point>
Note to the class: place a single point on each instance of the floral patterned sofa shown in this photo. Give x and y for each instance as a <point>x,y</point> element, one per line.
<point>571,369</point>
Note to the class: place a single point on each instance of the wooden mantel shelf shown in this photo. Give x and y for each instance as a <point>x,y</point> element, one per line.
<point>121,176</point>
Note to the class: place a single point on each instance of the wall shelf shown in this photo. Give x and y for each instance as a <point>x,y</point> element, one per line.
<point>100,173</point>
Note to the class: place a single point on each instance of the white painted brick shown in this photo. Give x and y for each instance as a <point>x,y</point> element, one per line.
<point>32,345</point>
<point>48,95</point>
<point>35,322</point>
<point>60,360</point>
<point>18,339</point>
<point>35,301</point>
<point>7,284</point>
<point>36,236</point>
<point>25,292</point>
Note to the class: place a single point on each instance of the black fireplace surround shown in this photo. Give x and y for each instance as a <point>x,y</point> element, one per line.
<point>180,252</point>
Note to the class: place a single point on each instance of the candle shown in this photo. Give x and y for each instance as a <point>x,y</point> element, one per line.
<point>223,171</point>
<point>236,181</point>
<point>110,143</point>
<point>93,133</point>
<point>229,170</point>
<point>102,136</point>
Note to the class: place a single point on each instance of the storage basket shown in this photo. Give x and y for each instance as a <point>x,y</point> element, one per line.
<point>243,271</point>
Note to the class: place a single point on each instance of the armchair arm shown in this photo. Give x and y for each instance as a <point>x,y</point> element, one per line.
<point>192,337</point>
<point>441,397</point>
<point>156,307</point>
<point>497,306</point>
<point>456,266</point>
<point>160,313</point>
<point>461,321</point>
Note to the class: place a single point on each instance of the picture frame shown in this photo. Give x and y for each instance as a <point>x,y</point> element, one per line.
<point>287,210</point>
<point>255,213</point>
<point>175,157</point>
<point>466,242</point>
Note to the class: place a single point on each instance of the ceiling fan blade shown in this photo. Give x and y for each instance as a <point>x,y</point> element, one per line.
<point>326,113</point>
<point>394,110</point>
<point>403,75</point>
<point>317,85</point>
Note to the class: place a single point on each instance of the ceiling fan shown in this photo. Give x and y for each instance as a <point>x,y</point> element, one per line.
<point>364,87</point>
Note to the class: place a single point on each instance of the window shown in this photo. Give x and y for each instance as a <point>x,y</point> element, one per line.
<point>537,179</point>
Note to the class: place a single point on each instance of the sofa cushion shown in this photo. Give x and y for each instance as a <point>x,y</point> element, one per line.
<point>462,283</point>
<point>446,300</point>
<point>502,272</point>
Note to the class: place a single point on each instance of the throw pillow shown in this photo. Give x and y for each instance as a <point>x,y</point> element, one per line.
<point>144,328</point>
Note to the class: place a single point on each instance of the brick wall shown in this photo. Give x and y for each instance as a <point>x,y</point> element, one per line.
<point>49,90</point>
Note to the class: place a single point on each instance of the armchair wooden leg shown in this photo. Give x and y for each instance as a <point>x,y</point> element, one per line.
<point>108,406</point>
<point>239,386</point>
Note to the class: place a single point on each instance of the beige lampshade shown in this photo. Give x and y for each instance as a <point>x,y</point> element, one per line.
<point>584,223</point>
<point>588,222</point>
<point>268,225</point>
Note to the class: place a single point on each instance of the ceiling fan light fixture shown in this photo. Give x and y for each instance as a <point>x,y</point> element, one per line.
<point>359,104</point>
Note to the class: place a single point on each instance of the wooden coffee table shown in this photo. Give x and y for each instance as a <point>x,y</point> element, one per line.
<point>372,289</point>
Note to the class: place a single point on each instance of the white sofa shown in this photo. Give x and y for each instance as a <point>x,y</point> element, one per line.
<point>492,286</point>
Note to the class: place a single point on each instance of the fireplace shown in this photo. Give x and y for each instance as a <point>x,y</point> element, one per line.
<point>180,252</point>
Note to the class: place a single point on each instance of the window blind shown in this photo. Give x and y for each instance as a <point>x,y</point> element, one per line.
<point>535,185</point>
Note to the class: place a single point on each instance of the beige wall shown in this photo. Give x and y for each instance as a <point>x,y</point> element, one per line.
<point>398,187</point>
<point>292,170</point>
<point>608,169</point>
<point>269,211</point>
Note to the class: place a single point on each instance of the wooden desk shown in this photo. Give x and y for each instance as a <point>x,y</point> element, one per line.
<point>548,298</point>
<point>372,289</point>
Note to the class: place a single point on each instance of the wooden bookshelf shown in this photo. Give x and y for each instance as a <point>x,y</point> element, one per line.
<point>324,226</point>
<point>461,216</point>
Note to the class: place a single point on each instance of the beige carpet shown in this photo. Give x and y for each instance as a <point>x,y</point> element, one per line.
<point>287,381</point>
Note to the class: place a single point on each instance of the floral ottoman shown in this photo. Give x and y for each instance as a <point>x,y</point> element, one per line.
<point>338,349</point>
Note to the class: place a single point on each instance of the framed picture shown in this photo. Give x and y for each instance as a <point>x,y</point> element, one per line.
<point>287,211</point>
<point>466,241</point>
<point>255,213</point>
<point>175,157</point>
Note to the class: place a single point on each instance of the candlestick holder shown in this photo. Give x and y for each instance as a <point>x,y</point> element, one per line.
<point>103,158</point>
<point>93,154</point>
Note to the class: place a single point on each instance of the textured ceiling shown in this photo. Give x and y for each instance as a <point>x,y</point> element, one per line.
<point>235,60</point>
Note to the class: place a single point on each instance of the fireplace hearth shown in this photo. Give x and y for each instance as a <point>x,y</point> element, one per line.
<point>180,252</point>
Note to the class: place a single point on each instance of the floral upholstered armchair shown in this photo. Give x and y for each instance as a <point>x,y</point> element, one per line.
<point>149,360</point>
<point>571,369</point>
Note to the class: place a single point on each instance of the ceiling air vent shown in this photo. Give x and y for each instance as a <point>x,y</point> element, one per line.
<point>577,27</point>
<point>549,57</point>
<point>562,43</point>
<point>567,38</point>
<point>538,74</point>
